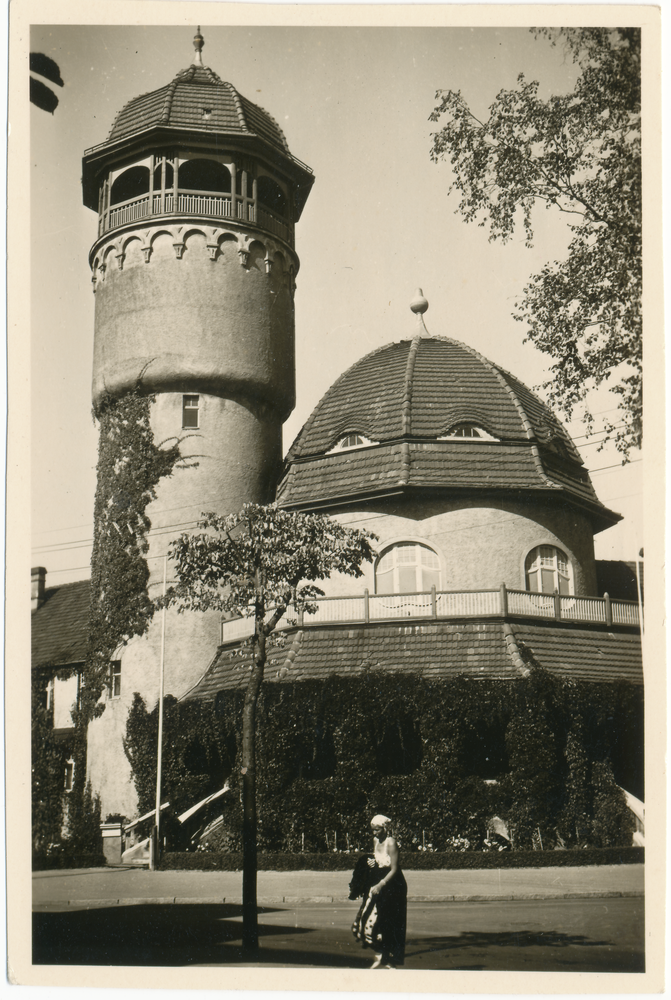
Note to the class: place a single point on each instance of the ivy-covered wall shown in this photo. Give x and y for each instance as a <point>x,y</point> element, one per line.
<point>441,758</point>
<point>130,466</point>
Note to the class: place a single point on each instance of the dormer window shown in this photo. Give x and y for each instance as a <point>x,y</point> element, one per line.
<point>468,431</point>
<point>352,440</point>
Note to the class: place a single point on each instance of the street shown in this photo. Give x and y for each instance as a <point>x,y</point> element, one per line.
<point>560,935</point>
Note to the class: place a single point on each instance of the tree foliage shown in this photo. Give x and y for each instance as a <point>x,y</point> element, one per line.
<point>255,564</point>
<point>263,558</point>
<point>47,768</point>
<point>580,154</point>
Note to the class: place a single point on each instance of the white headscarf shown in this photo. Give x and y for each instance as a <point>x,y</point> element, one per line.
<point>380,820</point>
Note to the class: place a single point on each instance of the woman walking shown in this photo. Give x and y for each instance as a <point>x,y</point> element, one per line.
<point>381,920</point>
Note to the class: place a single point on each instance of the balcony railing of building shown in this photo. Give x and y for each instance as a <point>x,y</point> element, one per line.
<point>433,604</point>
<point>211,206</point>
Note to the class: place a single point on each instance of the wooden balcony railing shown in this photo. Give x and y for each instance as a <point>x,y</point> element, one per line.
<point>210,206</point>
<point>502,603</point>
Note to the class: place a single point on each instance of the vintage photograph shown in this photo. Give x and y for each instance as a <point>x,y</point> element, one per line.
<point>337,585</point>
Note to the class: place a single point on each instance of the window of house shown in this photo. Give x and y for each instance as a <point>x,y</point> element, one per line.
<point>69,775</point>
<point>351,440</point>
<point>190,411</point>
<point>548,569</point>
<point>407,568</point>
<point>115,679</point>
<point>468,430</point>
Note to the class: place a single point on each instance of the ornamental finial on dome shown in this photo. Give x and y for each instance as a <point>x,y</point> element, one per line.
<point>419,305</point>
<point>198,42</point>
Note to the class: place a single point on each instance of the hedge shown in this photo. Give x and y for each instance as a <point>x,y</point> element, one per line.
<point>440,757</point>
<point>420,861</point>
<point>63,859</point>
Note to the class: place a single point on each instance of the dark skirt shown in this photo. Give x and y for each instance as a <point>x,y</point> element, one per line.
<point>381,920</point>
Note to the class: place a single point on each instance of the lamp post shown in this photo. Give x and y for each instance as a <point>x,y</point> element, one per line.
<point>154,849</point>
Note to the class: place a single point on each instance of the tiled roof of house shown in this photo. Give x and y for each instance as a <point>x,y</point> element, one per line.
<point>579,653</point>
<point>482,649</point>
<point>197,99</point>
<point>59,626</point>
<point>408,395</point>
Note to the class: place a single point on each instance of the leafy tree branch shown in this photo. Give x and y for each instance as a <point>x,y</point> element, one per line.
<point>578,153</point>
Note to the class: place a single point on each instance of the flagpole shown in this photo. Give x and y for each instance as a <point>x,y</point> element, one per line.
<point>159,760</point>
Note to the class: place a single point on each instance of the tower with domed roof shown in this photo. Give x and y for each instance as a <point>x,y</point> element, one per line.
<point>193,271</point>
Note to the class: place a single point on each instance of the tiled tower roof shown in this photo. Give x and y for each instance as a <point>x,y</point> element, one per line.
<point>197,99</point>
<point>405,399</point>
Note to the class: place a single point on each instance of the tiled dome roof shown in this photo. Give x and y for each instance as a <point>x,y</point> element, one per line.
<point>406,399</point>
<point>421,388</point>
<point>197,99</point>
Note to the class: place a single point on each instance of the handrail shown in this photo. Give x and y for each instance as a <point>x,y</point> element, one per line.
<point>216,205</point>
<point>501,603</point>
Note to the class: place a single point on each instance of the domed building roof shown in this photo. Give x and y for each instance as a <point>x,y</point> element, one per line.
<point>431,414</point>
<point>197,99</point>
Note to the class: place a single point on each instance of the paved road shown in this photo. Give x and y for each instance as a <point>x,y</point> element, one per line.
<point>113,885</point>
<point>559,935</point>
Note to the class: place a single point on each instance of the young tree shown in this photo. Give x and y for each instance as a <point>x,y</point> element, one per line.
<point>578,153</point>
<point>256,564</point>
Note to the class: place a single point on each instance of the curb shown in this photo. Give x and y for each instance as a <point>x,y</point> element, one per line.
<point>297,900</point>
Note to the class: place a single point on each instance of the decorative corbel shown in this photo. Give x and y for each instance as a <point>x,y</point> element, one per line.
<point>244,243</point>
<point>147,253</point>
<point>269,263</point>
<point>102,268</point>
<point>120,257</point>
<point>94,281</point>
<point>179,250</point>
<point>212,249</point>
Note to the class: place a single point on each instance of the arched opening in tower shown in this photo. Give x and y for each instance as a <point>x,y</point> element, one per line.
<point>204,175</point>
<point>168,176</point>
<point>271,196</point>
<point>130,184</point>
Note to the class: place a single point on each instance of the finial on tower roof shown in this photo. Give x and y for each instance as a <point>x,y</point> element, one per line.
<point>198,42</point>
<point>419,305</point>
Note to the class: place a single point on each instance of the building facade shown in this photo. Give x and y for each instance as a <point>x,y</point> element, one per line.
<point>484,511</point>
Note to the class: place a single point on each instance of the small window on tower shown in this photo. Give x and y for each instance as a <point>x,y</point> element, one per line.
<point>190,411</point>
<point>69,775</point>
<point>115,679</point>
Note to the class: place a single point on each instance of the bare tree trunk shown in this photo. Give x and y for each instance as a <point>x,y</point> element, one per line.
<point>250,930</point>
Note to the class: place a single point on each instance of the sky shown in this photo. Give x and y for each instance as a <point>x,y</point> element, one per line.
<point>354,104</point>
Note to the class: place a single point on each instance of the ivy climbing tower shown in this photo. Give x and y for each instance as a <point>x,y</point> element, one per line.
<point>193,271</point>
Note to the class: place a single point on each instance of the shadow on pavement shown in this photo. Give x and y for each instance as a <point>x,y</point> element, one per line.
<point>170,935</point>
<point>519,950</point>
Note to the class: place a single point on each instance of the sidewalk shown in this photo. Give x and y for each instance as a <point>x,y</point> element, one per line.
<point>124,886</point>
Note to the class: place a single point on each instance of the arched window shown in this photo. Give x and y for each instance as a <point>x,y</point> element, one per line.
<point>204,175</point>
<point>407,568</point>
<point>351,440</point>
<point>468,430</point>
<point>271,195</point>
<point>130,184</point>
<point>548,569</point>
